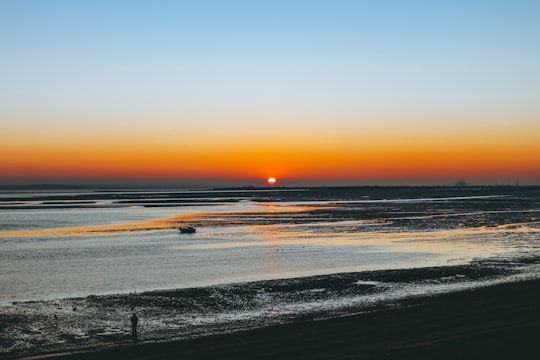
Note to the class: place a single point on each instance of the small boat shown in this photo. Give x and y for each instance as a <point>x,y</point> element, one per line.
<point>187,230</point>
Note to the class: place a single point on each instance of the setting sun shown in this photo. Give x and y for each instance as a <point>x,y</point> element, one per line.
<point>271,181</point>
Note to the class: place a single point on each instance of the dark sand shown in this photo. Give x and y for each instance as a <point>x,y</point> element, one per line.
<point>497,322</point>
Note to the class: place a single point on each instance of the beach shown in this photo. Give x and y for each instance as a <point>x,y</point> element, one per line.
<point>480,308</point>
<point>496,322</point>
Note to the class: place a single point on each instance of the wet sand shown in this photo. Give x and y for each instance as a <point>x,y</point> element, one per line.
<point>496,322</point>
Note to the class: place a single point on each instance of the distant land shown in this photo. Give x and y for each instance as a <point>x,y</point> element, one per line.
<point>100,187</point>
<point>123,187</point>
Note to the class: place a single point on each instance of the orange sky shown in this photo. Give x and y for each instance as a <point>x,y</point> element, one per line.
<point>323,155</point>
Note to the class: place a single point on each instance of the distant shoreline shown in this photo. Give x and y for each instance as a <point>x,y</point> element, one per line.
<point>173,187</point>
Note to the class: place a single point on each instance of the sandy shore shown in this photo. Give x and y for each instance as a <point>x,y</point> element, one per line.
<point>497,322</point>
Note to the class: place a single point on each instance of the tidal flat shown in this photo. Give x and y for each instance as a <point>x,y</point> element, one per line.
<point>75,265</point>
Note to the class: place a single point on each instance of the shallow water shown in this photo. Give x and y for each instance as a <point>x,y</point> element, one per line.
<point>59,245</point>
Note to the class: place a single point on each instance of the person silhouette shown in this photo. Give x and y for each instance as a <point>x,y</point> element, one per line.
<point>134,321</point>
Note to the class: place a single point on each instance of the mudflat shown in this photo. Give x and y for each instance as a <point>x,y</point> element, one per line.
<point>496,322</point>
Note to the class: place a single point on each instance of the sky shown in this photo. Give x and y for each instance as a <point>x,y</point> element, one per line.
<point>310,92</point>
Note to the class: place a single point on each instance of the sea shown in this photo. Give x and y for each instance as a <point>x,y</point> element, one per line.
<point>66,243</point>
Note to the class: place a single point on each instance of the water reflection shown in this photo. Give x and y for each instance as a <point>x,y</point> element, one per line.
<point>132,249</point>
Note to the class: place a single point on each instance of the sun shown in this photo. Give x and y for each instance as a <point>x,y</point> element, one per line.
<point>271,181</point>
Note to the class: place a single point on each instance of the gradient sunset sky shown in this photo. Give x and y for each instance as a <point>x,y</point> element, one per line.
<point>233,92</point>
